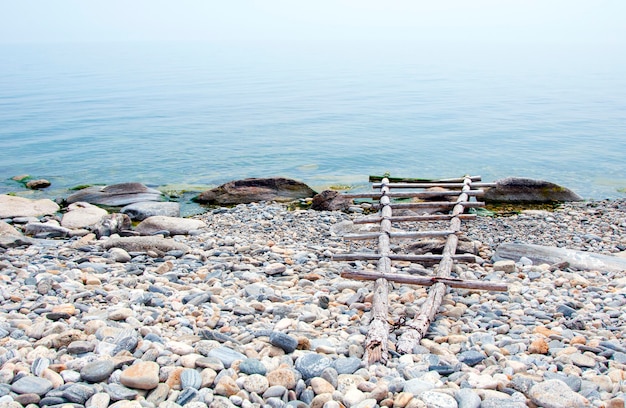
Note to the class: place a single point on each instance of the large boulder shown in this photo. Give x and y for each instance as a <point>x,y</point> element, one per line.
<point>12,207</point>
<point>515,189</point>
<point>330,200</point>
<point>254,190</point>
<point>116,195</point>
<point>10,237</point>
<point>145,244</point>
<point>173,225</point>
<point>143,210</point>
<point>82,215</point>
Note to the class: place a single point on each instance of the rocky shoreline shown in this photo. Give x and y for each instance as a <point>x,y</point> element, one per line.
<point>246,308</point>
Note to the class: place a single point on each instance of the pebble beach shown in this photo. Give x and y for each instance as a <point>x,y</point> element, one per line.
<point>251,311</point>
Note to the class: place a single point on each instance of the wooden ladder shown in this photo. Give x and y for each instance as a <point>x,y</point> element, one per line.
<point>376,347</point>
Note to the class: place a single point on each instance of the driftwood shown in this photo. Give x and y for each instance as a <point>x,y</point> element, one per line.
<point>419,325</point>
<point>377,337</point>
<point>425,280</point>
<point>551,255</point>
<point>376,342</point>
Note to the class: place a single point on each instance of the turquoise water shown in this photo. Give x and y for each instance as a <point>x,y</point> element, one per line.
<point>202,115</point>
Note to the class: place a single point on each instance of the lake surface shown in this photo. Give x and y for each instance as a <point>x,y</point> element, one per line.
<point>190,114</point>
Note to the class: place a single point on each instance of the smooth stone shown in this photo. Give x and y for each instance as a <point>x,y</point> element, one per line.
<point>471,357</point>
<point>173,225</point>
<point>434,399</point>
<point>118,392</point>
<point>256,190</point>
<point>416,386</point>
<point>556,394</point>
<point>98,400</point>
<point>143,375</point>
<point>14,206</point>
<point>97,371</point>
<point>226,355</point>
<point>82,215</point>
<point>26,399</point>
<point>284,377</point>
<point>348,365</point>
<point>284,341</point>
<point>312,365</point>
<point>142,210</point>
<point>78,393</point>
<point>159,394</point>
<point>31,385</point>
<point>467,398</point>
<point>256,383</point>
<point>252,366</point>
<point>115,195</point>
<point>190,378</point>
<point>144,244</point>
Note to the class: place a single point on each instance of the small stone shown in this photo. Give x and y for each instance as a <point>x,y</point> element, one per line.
<point>556,394</point>
<point>312,365</point>
<point>256,383</point>
<point>98,400</point>
<point>143,375</point>
<point>159,394</point>
<point>226,355</point>
<point>434,399</point>
<point>282,377</point>
<point>252,366</point>
<point>539,346</point>
<point>347,365</point>
<point>471,357</point>
<point>321,386</point>
<point>31,385</point>
<point>97,371</point>
<point>284,341</point>
<point>583,360</point>
<point>275,269</point>
<point>190,378</point>
<point>227,387</point>
<point>78,393</point>
<point>467,398</point>
<point>506,266</point>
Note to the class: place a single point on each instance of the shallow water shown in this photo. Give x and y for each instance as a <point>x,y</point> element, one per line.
<point>199,115</point>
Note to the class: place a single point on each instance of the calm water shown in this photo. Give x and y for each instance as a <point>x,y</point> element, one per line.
<point>199,114</point>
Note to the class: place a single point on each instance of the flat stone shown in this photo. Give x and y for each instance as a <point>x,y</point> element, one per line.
<point>142,210</point>
<point>226,355</point>
<point>14,206</point>
<point>82,215</point>
<point>312,365</point>
<point>284,341</point>
<point>173,225</point>
<point>556,394</point>
<point>31,385</point>
<point>116,195</point>
<point>434,399</point>
<point>97,371</point>
<point>143,375</point>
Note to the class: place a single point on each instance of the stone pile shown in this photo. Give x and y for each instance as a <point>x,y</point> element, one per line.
<point>244,307</point>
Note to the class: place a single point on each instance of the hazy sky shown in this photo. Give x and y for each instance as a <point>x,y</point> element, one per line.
<point>521,21</point>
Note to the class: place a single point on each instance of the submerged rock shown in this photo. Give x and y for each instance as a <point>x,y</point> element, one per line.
<point>514,189</point>
<point>255,190</point>
<point>116,195</point>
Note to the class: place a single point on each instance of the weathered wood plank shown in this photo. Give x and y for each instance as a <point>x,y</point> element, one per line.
<point>421,194</point>
<point>425,259</point>
<point>426,280</point>
<point>398,235</point>
<point>374,179</point>
<point>400,218</point>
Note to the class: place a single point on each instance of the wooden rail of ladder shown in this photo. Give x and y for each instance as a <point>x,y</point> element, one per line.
<point>376,347</point>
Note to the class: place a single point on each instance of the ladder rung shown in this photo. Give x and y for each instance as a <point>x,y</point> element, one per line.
<point>433,217</point>
<point>401,235</point>
<point>402,257</point>
<point>422,194</point>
